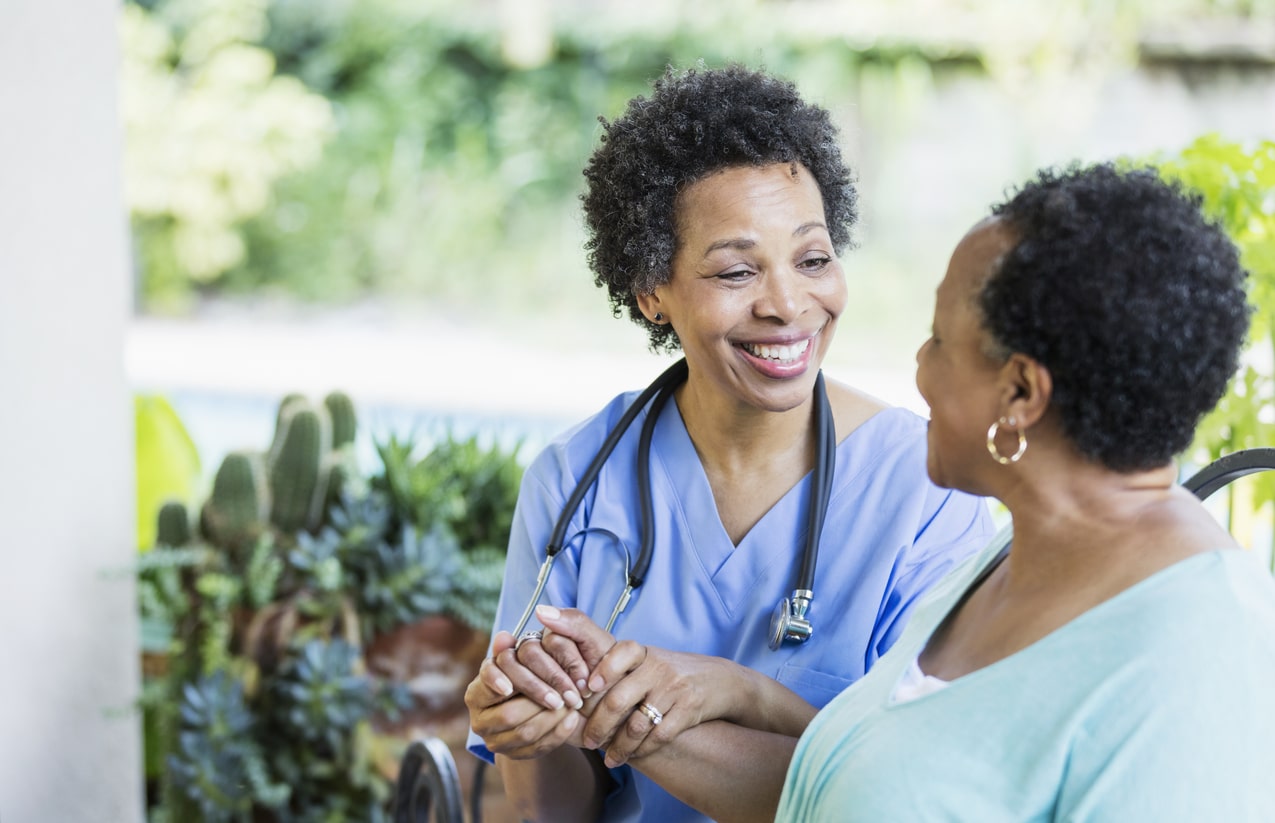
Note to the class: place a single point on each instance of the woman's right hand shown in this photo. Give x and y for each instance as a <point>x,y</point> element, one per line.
<point>511,723</point>
<point>553,669</point>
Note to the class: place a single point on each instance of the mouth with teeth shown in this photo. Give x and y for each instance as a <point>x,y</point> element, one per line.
<point>778,353</point>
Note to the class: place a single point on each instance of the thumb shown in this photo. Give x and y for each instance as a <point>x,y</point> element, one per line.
<point>502,641</point>
<point>592,640</point>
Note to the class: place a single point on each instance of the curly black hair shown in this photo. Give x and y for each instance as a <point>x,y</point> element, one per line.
<point>1132,299</point>
<point>696,122</point>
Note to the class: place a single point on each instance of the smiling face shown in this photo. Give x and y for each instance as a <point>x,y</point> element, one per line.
<point>956,376</point>
<point>756,288</point>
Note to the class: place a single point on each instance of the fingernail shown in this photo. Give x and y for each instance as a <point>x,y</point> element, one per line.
<point>504,687</point>
<point>596,683</point>
<point>581,685</point>
<point>573,700</point>
<point>571,721</point>
<point>548,611</point>
<point>554,700</point>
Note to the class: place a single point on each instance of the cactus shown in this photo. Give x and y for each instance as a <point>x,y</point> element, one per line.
<point>285,404</point>
<point>236,510</point>
<point>341,412</point>
<point>287,489</point>
<point>173,526</point>
<point>296,467</point>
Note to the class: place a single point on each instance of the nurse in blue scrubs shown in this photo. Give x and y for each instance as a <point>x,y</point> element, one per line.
<point>717,209</point>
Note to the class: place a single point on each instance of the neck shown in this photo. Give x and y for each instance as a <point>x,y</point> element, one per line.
<point>734,438</point>
<point>1073,515</point>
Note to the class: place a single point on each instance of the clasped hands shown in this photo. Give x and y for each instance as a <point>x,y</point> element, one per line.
<point>579,686</point>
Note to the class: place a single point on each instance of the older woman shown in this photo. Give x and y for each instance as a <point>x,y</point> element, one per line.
<point>716,209</point>
<point>1114,660</point>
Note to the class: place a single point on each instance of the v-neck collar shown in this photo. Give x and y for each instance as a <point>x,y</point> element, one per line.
<point>774,543</point>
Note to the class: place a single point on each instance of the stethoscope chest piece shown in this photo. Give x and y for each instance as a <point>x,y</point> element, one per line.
<point>789,621</point>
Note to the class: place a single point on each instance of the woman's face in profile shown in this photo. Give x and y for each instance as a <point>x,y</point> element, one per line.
<point>756,287</point>
<point>954,373</point>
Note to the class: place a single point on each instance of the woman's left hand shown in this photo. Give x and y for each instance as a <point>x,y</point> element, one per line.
<point>642,696</point>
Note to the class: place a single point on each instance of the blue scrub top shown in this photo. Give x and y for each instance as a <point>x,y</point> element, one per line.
<point>889,534</point>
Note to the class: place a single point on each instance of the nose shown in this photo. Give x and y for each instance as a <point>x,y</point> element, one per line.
<point>917,376</point>
<point>779,297</point>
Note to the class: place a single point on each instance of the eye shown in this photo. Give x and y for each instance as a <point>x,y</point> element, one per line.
<point>815,264</point>
<point>735,275</point>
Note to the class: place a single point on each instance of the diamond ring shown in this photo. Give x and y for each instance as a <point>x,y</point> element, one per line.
<point>535,635</point>
<point>651,712</point>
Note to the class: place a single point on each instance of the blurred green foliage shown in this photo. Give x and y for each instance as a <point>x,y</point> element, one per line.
<point>210,127</point>
<point>328,149</point>
<point>452,142</point>
<point>1237,185</point>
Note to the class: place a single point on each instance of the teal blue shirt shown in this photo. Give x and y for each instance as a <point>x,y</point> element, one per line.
<point>1157,705</point>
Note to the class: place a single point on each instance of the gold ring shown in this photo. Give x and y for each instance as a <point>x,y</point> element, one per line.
<point>651,712</point>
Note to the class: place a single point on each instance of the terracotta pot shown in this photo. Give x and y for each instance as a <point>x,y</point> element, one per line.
<point>436,657</point>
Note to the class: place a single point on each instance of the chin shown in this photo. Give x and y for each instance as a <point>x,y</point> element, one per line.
<point>936,476</point>
<point>789,397</point>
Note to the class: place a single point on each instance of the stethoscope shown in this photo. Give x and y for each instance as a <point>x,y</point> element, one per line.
<point>791,618</point>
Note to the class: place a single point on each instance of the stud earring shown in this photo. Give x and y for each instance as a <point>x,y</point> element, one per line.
<point>658,318</point>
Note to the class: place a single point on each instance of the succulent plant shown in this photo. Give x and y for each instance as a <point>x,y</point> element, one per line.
<point>217,757</point>
<point>458,483</point>
<point>362,520</point>
<point>316,561</point>
<point>324,695</point>
<point>262,572</point>
<point>475,589</point>
<point>405,580</point>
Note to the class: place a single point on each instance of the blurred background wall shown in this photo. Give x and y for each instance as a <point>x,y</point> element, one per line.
<point>68,631</point>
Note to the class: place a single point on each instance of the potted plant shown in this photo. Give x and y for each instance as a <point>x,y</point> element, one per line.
<point>298,607</point>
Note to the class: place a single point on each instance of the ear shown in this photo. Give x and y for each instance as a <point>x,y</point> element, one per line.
<point>650,304</point>
<point>1027,390</point>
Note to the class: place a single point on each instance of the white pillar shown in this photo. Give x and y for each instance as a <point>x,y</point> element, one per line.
<point>68,635</point>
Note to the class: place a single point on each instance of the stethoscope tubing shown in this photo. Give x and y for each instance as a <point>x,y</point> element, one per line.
<point>821,484</point>
<point>661,389</point>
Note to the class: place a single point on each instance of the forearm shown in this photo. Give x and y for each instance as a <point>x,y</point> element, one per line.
<point>568,784</point>
<point>725,771</point>
<point>762,703</point>
<point>733,769</point>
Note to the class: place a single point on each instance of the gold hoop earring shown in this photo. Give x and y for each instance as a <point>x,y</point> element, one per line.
<point>995,452</point>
